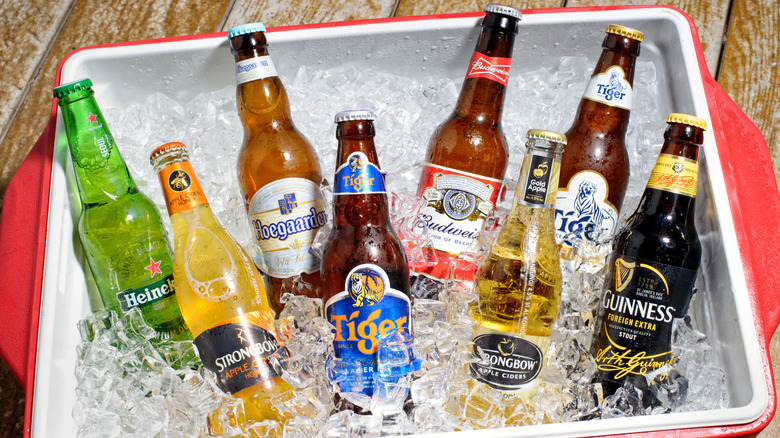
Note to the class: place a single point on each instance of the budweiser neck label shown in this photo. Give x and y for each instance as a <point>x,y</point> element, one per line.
<point>610,88</point>
<point>641,302</point>
<point>675,174</point>
<point>540,184</point>
<point>489,67</point>
<point>255,68</point>
<point>457,205</point>
<point>358,176</point>
<point>367,310</point>
<point>285,216</point>
<point>181,188</point>
<point>583,212</point>
<point>239,349</point>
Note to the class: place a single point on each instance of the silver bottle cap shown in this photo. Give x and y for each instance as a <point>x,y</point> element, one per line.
<point>343,116</point>
<point>503,10</point>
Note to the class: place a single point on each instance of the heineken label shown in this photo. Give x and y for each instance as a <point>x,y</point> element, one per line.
<point>146,295</point>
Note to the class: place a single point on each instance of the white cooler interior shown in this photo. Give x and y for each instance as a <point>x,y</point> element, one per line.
<point>419,49</point>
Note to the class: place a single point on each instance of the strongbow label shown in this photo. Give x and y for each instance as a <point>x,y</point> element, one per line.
<point>541,185</point>
<point>181,188</point>
<point>675,174</point>
<point>255,68</point>
<point>514,362</point>
<point>488,67</point>
<point>238,350</point>
<point>457,205</point>
<point>641,301</point>
<point>285,216</point>
<point>358,176</point>
<point>610,88</point>
<point>365,311</point>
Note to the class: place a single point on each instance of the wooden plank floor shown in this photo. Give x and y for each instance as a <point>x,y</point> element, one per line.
<point>738,38</point>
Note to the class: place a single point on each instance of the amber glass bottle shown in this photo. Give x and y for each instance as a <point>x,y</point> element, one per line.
<point>278,171</point>
<point>467,154</point>
<point>365,276</point>
<point>595,166</point>
<point>656,260</point>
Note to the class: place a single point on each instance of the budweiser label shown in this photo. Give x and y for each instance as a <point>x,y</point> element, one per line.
<point>488,67</point>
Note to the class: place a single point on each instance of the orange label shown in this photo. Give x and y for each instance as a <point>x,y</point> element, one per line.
<point>181,188</point>
<point>675,174</point>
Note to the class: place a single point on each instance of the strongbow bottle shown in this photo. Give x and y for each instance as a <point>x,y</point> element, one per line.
<point>120,229</point>
<point>656,260</point>
<point>220,292</point>
<point>467,154</point>
<point>365,277</point>
<point>595,167</point>
<point>278,171</point>
<point>519,286</point>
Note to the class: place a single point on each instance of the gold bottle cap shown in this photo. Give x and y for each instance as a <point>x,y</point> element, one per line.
<point>687,120</point>
<point>167,147</point>
<point>546,135</point>
<point>626,32</point>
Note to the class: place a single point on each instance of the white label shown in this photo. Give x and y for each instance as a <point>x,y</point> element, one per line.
<point>285,216</point>
<point>610,88</point>
<point>255,68</point>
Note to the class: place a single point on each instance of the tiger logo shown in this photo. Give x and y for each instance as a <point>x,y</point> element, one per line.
<point>586,205</point>
<point>366,287</point>
<point>356,163</point>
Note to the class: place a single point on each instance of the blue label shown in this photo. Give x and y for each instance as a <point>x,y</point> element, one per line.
<point>366,311</point>
<point>358,176</point>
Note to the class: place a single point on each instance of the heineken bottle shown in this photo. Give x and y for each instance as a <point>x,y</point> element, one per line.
<point>124,242</point>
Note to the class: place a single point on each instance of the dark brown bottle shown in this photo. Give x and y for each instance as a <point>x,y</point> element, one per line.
<point>655,263</point>
<point>594,166</point>
<point>278,172</point>
<point>365,276</point>
<point>467,154</point>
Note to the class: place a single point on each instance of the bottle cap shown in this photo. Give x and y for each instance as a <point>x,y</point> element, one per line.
<point>687,120</point>
<point>245,29</point>
<point>546,135</point>
<point>626,32</point>
<point>344,116</point>
<point>167,147</point>
<point>72,87</point>
<point>494,8</point>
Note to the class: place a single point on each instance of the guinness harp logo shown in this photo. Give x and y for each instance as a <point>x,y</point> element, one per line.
<point>624,271</point>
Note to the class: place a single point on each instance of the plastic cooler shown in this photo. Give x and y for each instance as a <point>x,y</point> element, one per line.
<point>44,290</point>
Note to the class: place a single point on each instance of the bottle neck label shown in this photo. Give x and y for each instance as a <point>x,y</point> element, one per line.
<point>610,88</point>
<point>180,187</point>
<point>457,204</point>
<point>489,67</point>
<point>367,310</point>
<point>539,181</point>
<point>640,304</point>
<point>675,174</point>
<point>255,68</point>
<point>238,350</point>
<point>285,216</point>
<point>358,176</point>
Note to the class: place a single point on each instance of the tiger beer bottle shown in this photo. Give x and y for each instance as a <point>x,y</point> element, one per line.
<point>278,171</point>
<point>220,292</point>
<point>656,260</point>
<point>595,166</point>
<point>365,277</point>
<point>467,154</point>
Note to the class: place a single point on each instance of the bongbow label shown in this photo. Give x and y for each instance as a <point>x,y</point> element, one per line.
<point>358,176</point>
<point>513,361</point>
<point>489,67</point>
<point>365,311</point>
<point>610,88</point>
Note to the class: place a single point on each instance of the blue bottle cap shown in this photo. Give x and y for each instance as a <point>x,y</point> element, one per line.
<point>245,29</point>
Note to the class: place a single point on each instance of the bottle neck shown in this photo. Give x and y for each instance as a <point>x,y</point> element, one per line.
<point>180,186</point>
<point>359,194</point>
<point>260,95</point>
<point>101,171</point>
<point>484,88</point>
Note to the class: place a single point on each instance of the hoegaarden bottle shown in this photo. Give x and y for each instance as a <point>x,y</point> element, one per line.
<point>120,230</point>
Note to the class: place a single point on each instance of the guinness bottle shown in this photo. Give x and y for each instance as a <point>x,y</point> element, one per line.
<point>656,260</point>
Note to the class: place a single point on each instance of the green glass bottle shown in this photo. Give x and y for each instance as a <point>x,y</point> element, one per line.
<point>123,238</point>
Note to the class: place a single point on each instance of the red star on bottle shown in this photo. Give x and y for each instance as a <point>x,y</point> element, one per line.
<point>92,118</point>
<point>154,267</point>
